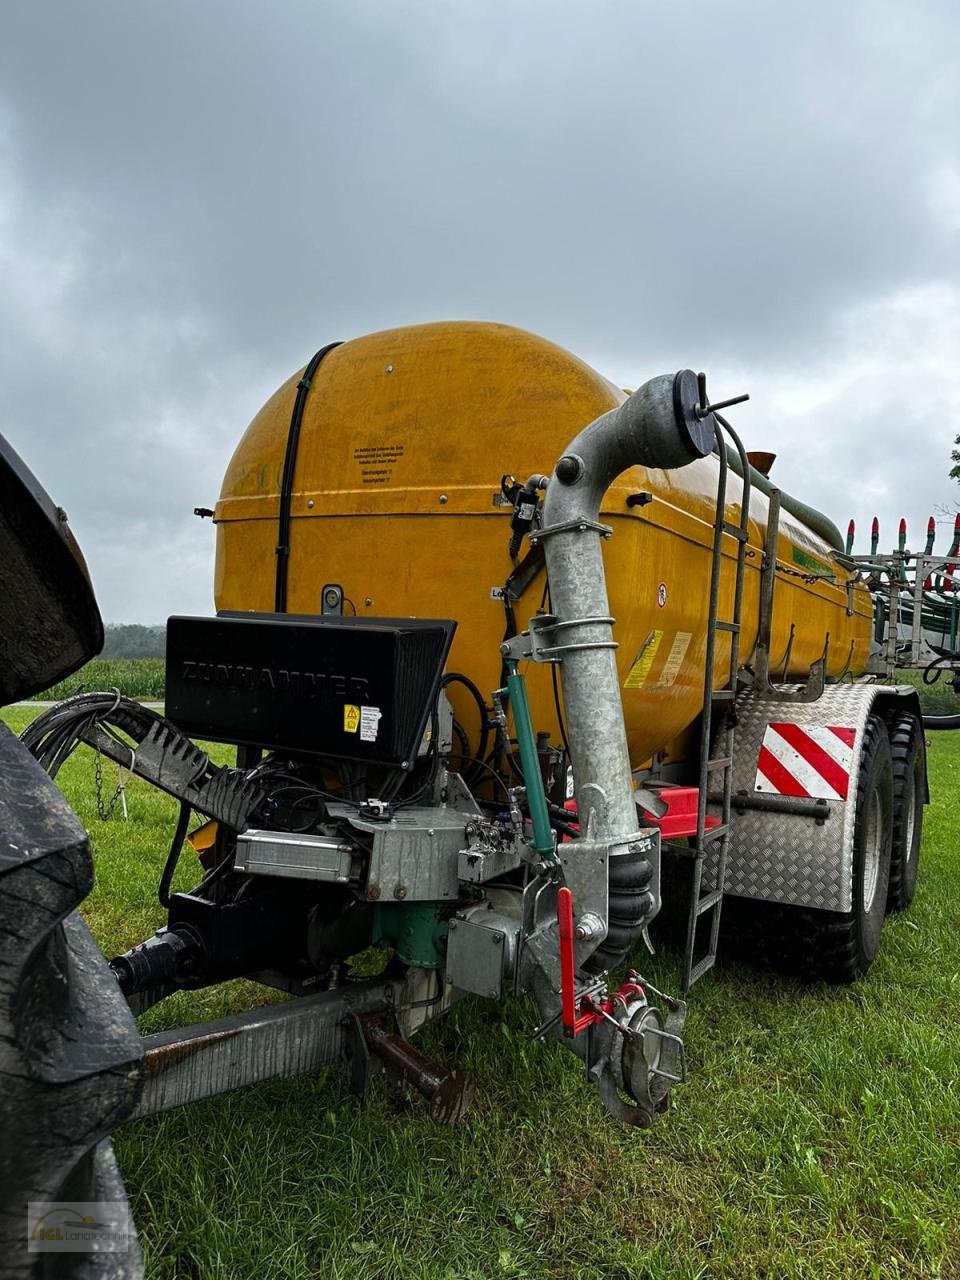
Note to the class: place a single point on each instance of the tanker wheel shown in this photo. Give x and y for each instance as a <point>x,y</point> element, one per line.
<point>841,946</point>
<point>909,781</point>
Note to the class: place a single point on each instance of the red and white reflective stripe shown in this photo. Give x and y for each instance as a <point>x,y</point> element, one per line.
<point>806,760</point>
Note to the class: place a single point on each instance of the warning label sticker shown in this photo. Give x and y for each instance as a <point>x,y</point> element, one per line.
<point>671,668</point>
<point>369,723</point>
<point>643,662</point>
<point>377,461</point>
<point>351,718</point>
<point>806,760</point>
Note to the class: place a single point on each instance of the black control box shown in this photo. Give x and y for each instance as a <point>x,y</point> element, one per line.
<point>354,688</point>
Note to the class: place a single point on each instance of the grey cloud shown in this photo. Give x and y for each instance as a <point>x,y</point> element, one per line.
<point>227,186</point>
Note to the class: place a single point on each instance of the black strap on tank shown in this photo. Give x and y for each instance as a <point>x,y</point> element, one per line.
<point>286,482</point>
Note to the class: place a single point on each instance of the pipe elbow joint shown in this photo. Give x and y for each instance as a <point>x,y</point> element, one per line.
<point>657,426</point>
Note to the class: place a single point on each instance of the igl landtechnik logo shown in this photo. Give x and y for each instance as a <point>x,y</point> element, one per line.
<point>79,1226</point>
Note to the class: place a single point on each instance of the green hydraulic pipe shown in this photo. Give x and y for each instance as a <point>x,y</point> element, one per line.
<point>815,520</point>
<point>530,764</point>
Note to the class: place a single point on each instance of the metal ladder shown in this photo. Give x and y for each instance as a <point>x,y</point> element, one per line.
<point>719,718</point>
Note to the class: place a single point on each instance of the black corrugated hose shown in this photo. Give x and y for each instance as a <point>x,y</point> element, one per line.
<point>286,481</point>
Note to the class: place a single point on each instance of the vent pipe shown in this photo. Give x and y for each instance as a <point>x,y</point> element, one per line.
<point>660,425</point>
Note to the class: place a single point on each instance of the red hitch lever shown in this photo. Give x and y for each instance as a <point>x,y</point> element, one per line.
<point>573,1020</point>
<point>568,994</point>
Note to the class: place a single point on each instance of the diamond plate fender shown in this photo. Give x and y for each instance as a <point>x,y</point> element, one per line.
<point>782,857</point>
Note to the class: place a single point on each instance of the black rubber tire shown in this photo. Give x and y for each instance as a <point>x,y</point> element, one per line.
<point>71,1057</point>
<point>909,793</point>
<point>840,947</point>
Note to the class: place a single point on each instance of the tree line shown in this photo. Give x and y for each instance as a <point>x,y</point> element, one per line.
<point>132,640</point>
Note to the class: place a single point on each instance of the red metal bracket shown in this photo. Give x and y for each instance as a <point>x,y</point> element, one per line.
<point>578,1013</point>
<point>679,820</point>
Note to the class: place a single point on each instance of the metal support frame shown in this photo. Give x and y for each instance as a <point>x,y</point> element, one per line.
<point>280,1040</point>
<point>907,574</point>
<point>716,748</point>
<point>812,688</point>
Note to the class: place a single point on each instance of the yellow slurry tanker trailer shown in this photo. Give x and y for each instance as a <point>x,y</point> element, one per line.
<point>497,644</point>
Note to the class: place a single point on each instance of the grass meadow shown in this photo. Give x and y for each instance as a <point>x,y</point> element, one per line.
<point>134,677</point>
<point>818,1136</point>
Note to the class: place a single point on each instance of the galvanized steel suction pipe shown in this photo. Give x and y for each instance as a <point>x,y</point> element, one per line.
<point>660,425</point>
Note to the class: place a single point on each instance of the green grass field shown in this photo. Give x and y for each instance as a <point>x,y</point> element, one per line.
<point>818,1136</point>
<point>134,677</point>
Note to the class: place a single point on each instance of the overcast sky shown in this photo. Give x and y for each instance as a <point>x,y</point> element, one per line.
<point>195,195</point>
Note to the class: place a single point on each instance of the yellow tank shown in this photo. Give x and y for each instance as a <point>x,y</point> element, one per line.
<point>396,496</point>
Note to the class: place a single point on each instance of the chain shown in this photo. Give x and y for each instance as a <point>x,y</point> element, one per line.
<point>105,811</point>
<point>787,572</point>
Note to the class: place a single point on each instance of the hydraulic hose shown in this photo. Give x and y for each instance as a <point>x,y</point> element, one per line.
<point>286,480</point>
<point>937,723</point>
<point>173,857</point>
